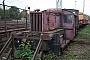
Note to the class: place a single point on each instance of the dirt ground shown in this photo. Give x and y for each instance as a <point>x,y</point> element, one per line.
<point>78,49</point>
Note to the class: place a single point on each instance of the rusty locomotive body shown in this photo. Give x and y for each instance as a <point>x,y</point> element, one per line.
<point>58,24</point>
<point>46,20</point>
<point>53,19</point>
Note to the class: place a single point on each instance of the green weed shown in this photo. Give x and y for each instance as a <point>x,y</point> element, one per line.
<point>25,51</point>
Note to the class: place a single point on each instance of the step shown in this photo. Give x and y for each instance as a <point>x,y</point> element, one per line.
<point>63,45</point>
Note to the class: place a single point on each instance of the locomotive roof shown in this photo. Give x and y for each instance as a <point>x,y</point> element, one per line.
<point>71,11</point>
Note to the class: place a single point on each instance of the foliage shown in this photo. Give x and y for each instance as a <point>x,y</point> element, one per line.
<point>84,33</point>
<point>10,13</point>
<point>48,57</point>
<point>85,30</point>
<point>1,13</point>
<point>51,56</point>
<point>23,14</point>
<point>14,11</point>
<point>7,14</point>
<point>24,51</point>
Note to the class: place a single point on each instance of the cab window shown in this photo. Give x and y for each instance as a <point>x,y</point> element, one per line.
<point>67,18</point>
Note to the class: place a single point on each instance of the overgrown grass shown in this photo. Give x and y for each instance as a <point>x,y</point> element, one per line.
<point>85,30</point>
<point>80,51</point>
<point>84,33</point>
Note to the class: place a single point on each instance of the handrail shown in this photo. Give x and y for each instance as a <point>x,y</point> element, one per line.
<point>1,4</point>
<point>37,49</point>
<point>5,46</point>
<point>8,53</point>
<point>7,43</point>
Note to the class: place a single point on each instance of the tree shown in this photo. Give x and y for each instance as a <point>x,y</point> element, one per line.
<point>1,13</point>
<point>23,14</point>
<point>14,11</point>
<point>7,14</point>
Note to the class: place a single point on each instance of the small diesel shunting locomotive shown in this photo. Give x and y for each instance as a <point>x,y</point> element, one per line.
<point>58,27</point>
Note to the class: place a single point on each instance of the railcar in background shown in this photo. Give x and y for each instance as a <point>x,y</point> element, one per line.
<point>83,18</point>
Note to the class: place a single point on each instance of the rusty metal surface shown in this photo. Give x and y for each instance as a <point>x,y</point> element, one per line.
<point>4,55</point>
<point>57,31</point>
<point>58,22</point>
<point>4,16</point>
<point>70,27</point>
<point>7,43</point>
<point>36,21</point>
<point>37,49</point>
<point>40,22</point>
<point>70,34</point>
<point>54,31</point>
<point>46,20</point>
<point>33,22</point>
<point>54,10</point>
<point>46,37</point>
<point>23,37</point>
<point>37,10</point>
<point>52,22</point>
<point>8,54</point>
<point>10,30</point>
<point>12,26</point>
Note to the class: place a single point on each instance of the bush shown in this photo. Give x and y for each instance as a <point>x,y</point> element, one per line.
<point>24,51</point>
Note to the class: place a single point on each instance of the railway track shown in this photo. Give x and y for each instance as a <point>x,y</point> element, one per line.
<point>12,25</point>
